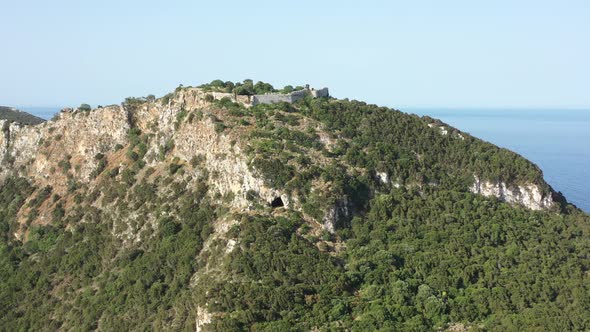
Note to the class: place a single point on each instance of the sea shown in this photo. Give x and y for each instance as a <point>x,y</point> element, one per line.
<point>557,140</point>
<point>43,112</point>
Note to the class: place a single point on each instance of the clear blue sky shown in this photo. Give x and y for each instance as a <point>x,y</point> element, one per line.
<point>396,53</point>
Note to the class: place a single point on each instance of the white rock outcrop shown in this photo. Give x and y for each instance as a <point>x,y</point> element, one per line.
<point>340,210</point>
<point>203,318</point>
<point>383,177</point>
<point>225,161</point>
<point>529,195</point>
<point>77,135</point>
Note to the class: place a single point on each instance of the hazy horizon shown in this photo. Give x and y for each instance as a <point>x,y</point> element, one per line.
<point>404,107</point>
<point>530,54</point>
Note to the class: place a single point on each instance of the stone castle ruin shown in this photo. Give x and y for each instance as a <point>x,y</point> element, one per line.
<point>273,98</point>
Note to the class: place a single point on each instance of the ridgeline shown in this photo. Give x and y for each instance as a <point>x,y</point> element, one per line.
<point>202,210</point>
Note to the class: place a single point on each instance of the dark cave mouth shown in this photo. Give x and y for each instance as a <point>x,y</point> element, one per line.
<point>277,202</point>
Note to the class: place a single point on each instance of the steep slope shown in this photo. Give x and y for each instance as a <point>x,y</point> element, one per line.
<point>196,212</point>
<point>14,115</point>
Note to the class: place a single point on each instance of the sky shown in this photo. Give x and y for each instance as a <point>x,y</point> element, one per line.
<point>488,54</point>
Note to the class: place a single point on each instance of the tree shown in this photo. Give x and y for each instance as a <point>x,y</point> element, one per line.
<point>217,84</point>
<point>262,88</point>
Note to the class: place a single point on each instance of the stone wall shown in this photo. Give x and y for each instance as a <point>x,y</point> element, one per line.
<point>221,95</point>
<point>320,93</point>
<point>271,98</point>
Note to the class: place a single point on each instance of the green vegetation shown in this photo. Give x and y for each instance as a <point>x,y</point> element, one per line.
<point>102,164</point>
<point>414,261</point>
<point>82,275</point>
<point>147,247</point>
<point>408,150</point>
<point>415,264</point>
<point>247,87</point>
<point>12,115</point>
<point>85,108</point>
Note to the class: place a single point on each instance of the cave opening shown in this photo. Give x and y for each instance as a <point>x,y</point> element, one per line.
<point>277,202</point>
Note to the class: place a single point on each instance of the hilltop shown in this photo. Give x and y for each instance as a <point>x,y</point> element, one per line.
<point>213,209</point>
<point>14,115</point>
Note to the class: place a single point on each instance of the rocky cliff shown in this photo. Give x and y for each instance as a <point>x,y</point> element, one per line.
<point>194,211</point>
<point>177,129</point>
<point>528,195</point>
<point>65,152</point>
<point>71,141</point>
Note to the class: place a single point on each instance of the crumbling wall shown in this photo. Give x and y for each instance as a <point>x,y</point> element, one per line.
<point>271,98</point>
<point>320,93</point>
<point>221,95</point>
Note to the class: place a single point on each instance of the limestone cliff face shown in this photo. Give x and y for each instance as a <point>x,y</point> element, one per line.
<point>74,139</point>
<point>58,152</point>
<point>186,125</point>
<point>221,151</point>
<point>339,211</point>
<point>529,195</point>
<point>226,160</point>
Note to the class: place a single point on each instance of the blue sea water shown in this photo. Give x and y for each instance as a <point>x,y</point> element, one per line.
<point>42,112</point>
<point>558,141</point>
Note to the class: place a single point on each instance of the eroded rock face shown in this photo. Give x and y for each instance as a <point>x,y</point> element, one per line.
<point>383,177</point>
<point>56,152</point>
<point>41,153</point>
<point>227,164</point>
<point>203,318</point>
<point>36,151</point>
<point>529,196</point>
<point>340,211</point>
<point>18,145</point>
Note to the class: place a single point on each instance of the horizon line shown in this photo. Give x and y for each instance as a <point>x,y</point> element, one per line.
<point>538,108</point>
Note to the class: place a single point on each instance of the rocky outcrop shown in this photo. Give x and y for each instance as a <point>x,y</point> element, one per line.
<point>203,318</point>
<point>76,137</point>
<point>187,125</point>
<point>225,161</point>
<point>221,154</point>
<point>529,195</point>
<point>382,177</point>
<point>336,214</point>
<point>69,148</point>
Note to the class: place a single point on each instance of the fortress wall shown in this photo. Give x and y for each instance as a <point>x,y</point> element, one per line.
<point>271,99</point>
<point>320,93</point>
<point>298,95</point>
<point>221,95</point>
<point>246,100</point>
